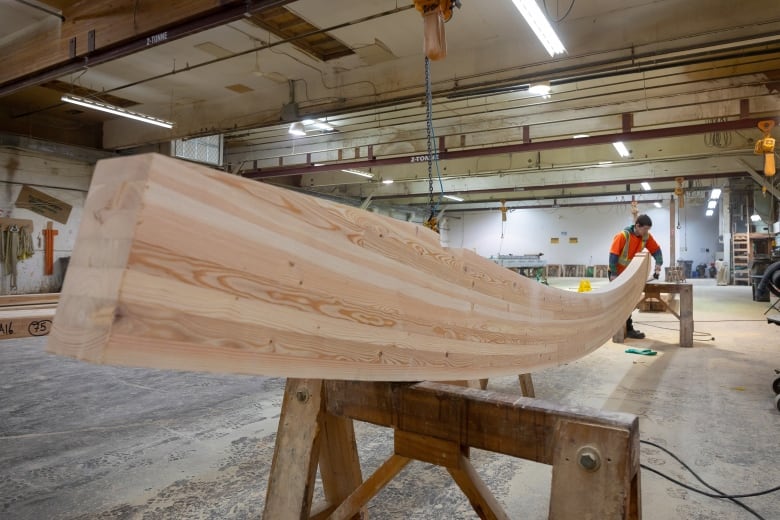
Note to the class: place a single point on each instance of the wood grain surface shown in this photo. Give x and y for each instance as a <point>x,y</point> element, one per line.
<point>183,267</point>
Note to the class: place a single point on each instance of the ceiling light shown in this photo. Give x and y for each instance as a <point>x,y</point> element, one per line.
<point>540,89</point>
<point>104,107</point>
<point>657,204</point>
<point>621,149</point>
<point>540,25</point>
<point>604,163</point>
<point>580,136</point>
<point>358,172</point>
<point>646,186</point>
<point>755,217</point>
<point>297,129</point>
<point>321,125</point>
<point>715,194</point>
<point>453,197</point>
<point>711,204</point>
<point>387,181</point>
<point>708,213</point>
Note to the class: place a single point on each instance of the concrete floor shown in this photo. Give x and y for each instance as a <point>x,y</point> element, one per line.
<point>80,441</point>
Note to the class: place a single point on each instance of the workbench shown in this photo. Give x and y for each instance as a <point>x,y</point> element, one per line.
<point>653,292</point>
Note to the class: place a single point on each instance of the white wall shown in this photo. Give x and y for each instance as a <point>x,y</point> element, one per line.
<point>529,231</point>
<point>697,238</point>
<point>64,179</point>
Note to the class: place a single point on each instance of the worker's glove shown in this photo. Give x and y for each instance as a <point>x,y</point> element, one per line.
<point>657,272</point>
<point>655,275</point>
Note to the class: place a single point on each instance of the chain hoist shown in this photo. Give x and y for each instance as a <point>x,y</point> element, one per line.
<point>432,220</point>
<point>435,14</point>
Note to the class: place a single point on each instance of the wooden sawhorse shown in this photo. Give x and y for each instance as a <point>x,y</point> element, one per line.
<point>653,291</point>
<point>594,456</point>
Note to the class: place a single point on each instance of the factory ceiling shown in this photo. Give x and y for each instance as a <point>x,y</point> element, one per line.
<point>682,83</point>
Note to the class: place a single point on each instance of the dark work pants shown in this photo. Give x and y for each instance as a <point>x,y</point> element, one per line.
<point>629,324</point>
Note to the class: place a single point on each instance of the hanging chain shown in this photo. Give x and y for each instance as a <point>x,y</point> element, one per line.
<point>429,131</point>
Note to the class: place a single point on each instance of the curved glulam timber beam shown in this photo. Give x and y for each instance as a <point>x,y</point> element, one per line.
<point>182,267</point>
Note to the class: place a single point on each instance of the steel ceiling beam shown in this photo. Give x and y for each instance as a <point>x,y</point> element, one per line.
<point>372,161</point>
<point>574,185</point>
<point>762,181</point>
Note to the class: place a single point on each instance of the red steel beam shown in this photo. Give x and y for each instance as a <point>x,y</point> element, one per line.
<point>657,133</point>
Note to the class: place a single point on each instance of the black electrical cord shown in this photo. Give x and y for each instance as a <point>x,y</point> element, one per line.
<point>720,494</point>
<point>562,18</point>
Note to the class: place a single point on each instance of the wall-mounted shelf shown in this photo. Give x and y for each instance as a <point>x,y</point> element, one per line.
<point>6,222</point>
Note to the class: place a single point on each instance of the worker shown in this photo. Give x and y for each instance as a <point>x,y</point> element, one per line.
<point>625,246</point>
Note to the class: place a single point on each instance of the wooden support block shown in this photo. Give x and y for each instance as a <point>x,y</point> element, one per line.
<point>526,385</point>
<point>428,449</point>
<point>595,472</point>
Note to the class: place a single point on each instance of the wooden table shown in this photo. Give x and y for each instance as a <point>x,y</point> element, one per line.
<point>653,291</point>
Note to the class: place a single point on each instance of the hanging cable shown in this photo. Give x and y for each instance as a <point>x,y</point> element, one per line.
<point>562,18</point>
<point>717,494</point>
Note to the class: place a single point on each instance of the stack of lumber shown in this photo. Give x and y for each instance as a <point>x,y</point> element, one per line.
<point>24,315</point>
<point>183,267</point>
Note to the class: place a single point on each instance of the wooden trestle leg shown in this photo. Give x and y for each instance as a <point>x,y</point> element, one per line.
<point>307,435</point>
<point>594,455</point>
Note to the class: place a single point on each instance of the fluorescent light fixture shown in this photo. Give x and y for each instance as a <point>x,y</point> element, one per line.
<point>715,194</point>
<point>297,129</point>
<point>711,204</point>
<point>111,109</point>
<point>540,25</point>
<point>755,217</point>
<point>580,136</point>
<point>646,186</point>
<point>604,163</point>
<point>358,172</point>
<point>387,181</point>
<point>621,149</point>
<point>453,197</point>
<point>657,204</point>
<point>540,89</point>
<point>321,125</point>
<point>708,213</point>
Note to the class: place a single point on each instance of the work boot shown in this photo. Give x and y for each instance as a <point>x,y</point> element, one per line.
<point>635,334</point>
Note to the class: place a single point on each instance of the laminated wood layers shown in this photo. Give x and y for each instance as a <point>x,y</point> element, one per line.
<point>180,266</point>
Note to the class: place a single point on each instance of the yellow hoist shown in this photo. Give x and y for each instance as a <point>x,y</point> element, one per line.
<point>766,147</point>
<point>435,14</point>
